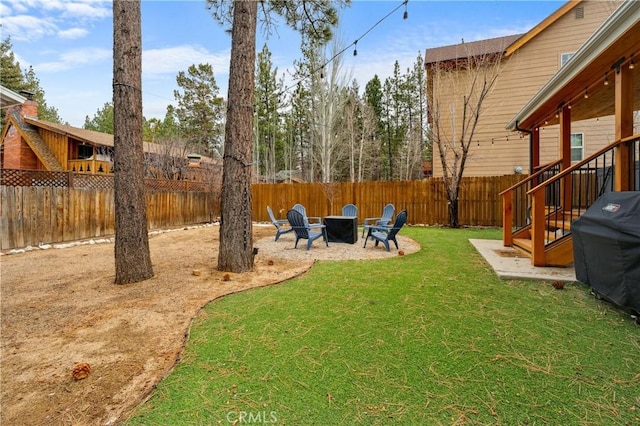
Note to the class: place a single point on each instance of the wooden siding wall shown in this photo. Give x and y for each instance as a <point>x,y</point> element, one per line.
<point>424,200</point>
<point>496,151</point>
<point>34,215</point>
<point>57,143</point>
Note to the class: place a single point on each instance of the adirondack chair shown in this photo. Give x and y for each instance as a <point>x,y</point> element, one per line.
<point>315,222</point>
<point>384,234</point>
<point>282,225</point>
<point>349,210</point>
<point>303,230</point>
<point>387,215</point>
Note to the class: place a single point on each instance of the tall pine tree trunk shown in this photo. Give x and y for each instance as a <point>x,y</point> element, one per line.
<point>235,253</point>
<point>132,256</point>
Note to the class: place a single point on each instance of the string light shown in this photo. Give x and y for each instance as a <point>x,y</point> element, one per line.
<point>606,79</point>
<point>586,93</point>
<point>354,44</point>
<point>631,64</point>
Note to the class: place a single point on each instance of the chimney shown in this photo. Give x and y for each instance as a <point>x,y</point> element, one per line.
<point>29,109</point>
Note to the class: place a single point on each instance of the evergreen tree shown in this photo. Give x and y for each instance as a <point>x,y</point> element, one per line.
<point>10,70</point>
<point>102,121</point>
<point>15,79</point>
<point>32,84</point>
<point>200,109</point>
<point>373,97</point>
<point>132,255</point>
<point>312,18</point>
<point>269,139</point>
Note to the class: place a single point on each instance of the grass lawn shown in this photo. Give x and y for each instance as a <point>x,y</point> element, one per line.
<point>429,338</point>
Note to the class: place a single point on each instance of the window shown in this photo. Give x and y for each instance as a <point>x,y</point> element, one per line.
<point>85,151</point>
<point>577,147</point>
<point>565,57</point>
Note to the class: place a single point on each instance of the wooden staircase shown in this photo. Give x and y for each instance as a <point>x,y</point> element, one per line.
<point>557,228</point>
<point>538,211</point>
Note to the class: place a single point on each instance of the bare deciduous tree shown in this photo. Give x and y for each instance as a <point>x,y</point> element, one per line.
<point>458,90</point>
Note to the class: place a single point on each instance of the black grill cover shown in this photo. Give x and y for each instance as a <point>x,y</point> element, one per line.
<point>606,248</point>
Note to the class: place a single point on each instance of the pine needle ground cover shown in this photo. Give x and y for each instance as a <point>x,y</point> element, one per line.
<point>429,338</point>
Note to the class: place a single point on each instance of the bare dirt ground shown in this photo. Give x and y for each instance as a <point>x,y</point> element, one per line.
<point>60,310</point>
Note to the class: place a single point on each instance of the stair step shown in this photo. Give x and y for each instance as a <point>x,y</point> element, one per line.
<point>560,224</point>
<point>523,244</point>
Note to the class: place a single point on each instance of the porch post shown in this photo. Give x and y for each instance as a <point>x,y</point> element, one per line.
<point>565,155</point>
<point>535,153</point>
<point>624,125</point>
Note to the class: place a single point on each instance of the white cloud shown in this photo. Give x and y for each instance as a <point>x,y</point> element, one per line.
<point>27,28</point>
<point>4,10</point>
<point>171,60</point>
<point>94,9</point>
<point>33,20</point>
<point>87,10</point>
<point>73,33</point>
<point>72,58</point>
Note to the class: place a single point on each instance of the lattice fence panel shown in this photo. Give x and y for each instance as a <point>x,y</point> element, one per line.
<point>11,177</point>
<point>92,181</point>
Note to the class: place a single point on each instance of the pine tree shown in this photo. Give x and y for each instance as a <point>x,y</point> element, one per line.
<point>313,18</point>
<point>200,109</point>
<point>132,255</point>
<point>10,70</point>
<point>269,145</point>
<point>102,121</point>
<point>32,84</point>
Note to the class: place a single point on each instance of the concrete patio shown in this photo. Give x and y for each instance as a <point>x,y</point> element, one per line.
<point>508,263</point>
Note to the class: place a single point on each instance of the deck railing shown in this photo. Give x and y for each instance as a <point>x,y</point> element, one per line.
<point>517,203</point>
<point>90,166</point>
<point>558,201</point>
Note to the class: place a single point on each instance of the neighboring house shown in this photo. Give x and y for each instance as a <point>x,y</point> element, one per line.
<point>526,62</point>
<point>602,80</point>
<point>32,144</point>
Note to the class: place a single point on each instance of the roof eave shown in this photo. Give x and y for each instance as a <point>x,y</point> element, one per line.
<point>541,27</point>
<point>623,18</point>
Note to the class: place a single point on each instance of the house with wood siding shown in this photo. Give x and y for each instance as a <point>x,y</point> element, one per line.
<point>526,62</point>
<point>32,144</point>
<point>600,82</point>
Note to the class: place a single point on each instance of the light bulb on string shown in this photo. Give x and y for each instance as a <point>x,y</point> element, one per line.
<point>406,13</point>
<point>355,48</point>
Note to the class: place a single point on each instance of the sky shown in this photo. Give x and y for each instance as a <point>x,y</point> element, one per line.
<point>69,43</point>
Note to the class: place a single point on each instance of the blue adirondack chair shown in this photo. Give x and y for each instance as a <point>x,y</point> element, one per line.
<point>303,230</point>
<point>384,234</point>
<point>385,219</point>
<point>282,225</point>
<point>349,210</point>
<point>315,222</point>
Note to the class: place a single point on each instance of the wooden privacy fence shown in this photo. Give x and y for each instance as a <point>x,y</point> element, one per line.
<point>425,200</point>
<point>34,215</point>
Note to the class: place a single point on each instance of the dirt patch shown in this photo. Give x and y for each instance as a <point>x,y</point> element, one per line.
<point>62,317</point>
